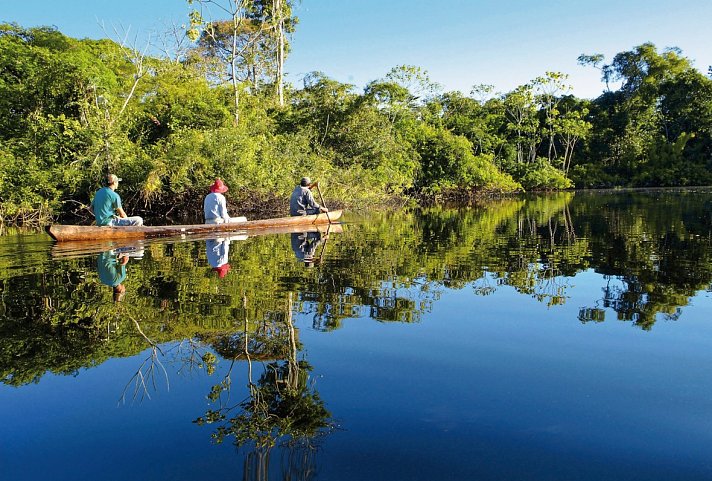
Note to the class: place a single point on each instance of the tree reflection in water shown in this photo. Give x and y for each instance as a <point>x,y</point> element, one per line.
<point>652,252</point>
<point>282,408</point>
<point>145,378</point>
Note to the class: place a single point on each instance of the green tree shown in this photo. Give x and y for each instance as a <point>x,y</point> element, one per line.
<point>548,90</point>
<point>229,42</point>
<point>571,126</point>
<point>522,122</point>
<point>627,124</point>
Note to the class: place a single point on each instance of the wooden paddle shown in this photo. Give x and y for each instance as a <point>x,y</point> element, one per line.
<point>321,198</point>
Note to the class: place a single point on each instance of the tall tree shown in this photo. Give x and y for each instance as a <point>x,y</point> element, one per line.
<point>276,16</point>
<point>630,123</point>
<point>548,90</point>
<point>252,42</point>
<point>596,61</point>
<point>571,126</point>
<point>226,40</point>
<point>522,123</point>
<point>280,49</point>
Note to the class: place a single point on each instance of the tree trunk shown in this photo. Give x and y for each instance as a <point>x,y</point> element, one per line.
<point>567,145</point>
<point>280,51</point>
<point>233,68</point>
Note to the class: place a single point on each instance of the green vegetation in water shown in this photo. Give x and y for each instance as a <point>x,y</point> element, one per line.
<point>57,316</point>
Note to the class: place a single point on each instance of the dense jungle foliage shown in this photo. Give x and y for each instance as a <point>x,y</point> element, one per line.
<point>216,106</point>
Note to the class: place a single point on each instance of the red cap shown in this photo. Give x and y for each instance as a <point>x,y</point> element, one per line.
<point>222,270</point>
<point>219,186</point>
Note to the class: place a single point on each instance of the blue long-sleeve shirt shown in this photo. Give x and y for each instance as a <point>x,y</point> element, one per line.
<point>302,202</point>
<point>215,207</point>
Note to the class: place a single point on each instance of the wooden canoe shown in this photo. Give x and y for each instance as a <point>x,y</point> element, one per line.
<point>62,233</point>
<point>83,248</point>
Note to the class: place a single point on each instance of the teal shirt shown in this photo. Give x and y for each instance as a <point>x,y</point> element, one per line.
<point>110,270</point>
<point>104,205</point>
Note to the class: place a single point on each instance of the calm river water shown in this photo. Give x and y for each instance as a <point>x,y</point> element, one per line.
<point>555,337</point>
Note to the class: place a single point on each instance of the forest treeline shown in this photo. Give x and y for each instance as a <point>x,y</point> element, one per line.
<point>216,105</point>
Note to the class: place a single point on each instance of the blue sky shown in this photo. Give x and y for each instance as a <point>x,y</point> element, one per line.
<point>460,43</point>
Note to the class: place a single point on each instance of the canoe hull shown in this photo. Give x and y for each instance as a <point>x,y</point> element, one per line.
<point>80,248</point>
<point>62,233</point>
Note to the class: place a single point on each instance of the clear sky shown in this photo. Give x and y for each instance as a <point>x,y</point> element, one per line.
<point>460,43</point>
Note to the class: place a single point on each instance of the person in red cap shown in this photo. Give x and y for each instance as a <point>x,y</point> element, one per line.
<point>215,205</point>
<point>218,253</point>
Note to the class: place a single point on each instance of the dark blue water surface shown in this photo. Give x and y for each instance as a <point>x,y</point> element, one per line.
<point>553,337</point>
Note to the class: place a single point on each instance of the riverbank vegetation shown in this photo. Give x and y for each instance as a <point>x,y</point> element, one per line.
<point>652,250</point>
<point>216,105</point>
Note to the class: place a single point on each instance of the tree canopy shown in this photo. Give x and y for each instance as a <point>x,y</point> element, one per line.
<point>76,109</point>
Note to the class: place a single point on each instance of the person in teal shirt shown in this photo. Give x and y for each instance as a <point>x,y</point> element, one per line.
<point>112,272</point>
<point>106,206</point>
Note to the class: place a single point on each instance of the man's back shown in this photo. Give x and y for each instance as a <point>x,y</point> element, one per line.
<point>302,201</point>
<point>215,206</point>
<point>111,272</point>
<point>105,203</point>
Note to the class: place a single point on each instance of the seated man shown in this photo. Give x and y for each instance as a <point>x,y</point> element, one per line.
<point>304,246</point>
<point>111,267</point>
<point>302,200</point>
<point>215,205</point>
<point>106,206</point>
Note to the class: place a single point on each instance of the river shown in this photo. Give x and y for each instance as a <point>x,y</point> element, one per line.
<point>563,336</point>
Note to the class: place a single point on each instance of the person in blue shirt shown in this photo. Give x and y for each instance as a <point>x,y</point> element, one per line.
<point>106,206</point>
<point>304,246</point>
<point>112,272</point>
<point>215,205</point>
<point>302,200</point>
<point>218,253</point>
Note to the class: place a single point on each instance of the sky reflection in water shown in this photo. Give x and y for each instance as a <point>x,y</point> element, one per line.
<point>552,337</point>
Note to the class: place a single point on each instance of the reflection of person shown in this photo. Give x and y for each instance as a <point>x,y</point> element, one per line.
<point>302,200</point>
<point>112,272</point>
<point>106,206</point>
<point>215,205</point>
<point>218,251</point>
<point>136,252</point>
<point>304,246</point>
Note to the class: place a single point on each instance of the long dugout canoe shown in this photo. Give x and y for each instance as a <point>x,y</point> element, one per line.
<point>62,233</point>
<point>82,248</point>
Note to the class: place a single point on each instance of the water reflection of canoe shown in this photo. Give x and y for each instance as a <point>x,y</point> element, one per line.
<point>83,248</point>
<point>79,232</point>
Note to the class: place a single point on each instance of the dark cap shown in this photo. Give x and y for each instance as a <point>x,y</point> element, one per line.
<point>306,181</point>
